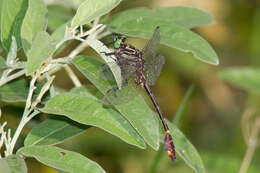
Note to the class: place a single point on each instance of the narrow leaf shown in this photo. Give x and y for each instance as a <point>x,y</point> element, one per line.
<point>42,48</point>
<point>13,164</point>
<point>91,9</point>
<point>14,91</point>
<point>61,159</point>
<point>244,77</point>
<point>136,111</point>
<point>89,111</point>
<point>10,60</point>
<point>185,149</point>
<point>172,34</point>
<point>12,14</point>
<point>34,21</point>
<point>184,101</point>
<point>52,132</point>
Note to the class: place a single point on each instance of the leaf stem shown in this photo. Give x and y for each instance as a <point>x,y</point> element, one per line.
<point>12,77</point>
<point>252,144</point>
<point>29,111</point>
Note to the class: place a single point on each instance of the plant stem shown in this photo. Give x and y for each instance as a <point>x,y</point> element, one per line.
<point>13,76</point>
<point>252,144</point>
<point>29,111</point>
<point>72,76</point>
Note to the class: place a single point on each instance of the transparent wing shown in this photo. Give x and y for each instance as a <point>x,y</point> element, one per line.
<point>149,51</point>
<point>127,70</point>
<point>152,68</point>
<point>116,96</point>
<point>106,73</point>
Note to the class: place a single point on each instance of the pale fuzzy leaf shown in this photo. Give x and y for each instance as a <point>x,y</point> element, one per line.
<point>91,9</point>
<point>34,21</point>
<point>12,14</point>
<point>13,164</point>
<point>42,48</point>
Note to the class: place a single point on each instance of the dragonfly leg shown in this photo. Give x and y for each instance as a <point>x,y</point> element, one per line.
<point>110,53</point>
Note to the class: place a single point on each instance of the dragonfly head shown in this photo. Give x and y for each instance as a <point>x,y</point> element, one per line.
<point>119,39</point>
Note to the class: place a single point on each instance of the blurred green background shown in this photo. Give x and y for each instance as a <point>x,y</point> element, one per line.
<point>212,117</point>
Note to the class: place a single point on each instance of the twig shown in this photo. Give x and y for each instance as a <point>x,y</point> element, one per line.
<point>80,48</point>
<point>29,111</point>
<point>12,77</point>
<point>43,91</point>
<point>252,144</point>
<point>73,76</point>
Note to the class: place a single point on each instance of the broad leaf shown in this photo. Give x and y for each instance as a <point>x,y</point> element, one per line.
<point>52,132</point>
<point>91,9</point>
<point>59,33</point>
<point>34,21</point>
<point>14,91</point>
<point>89,111</point>
<point>42,48</point>
<point>13,164</point>
<point>88,91</point>
<point>244,77</point>
<point>12,14</point>
<point>172,34</point>
<point>185,149</point>
<point>61,159</point>
<point>58,15</point>
<point>184,16</point>
<point>135,111</point>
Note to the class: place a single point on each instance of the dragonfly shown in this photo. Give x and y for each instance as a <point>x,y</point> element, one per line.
<point>144,66</point>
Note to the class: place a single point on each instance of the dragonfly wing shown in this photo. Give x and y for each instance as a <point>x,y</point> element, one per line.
<point>149,51</point>
<point>153,68</point>
<point>106,73</point>
<point>116,96</point>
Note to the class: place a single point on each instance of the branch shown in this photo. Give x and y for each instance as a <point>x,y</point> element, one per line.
<point>12,77</point>
<point>252,144</point>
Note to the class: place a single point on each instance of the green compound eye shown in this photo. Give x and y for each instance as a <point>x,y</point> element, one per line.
<point>117,43</point>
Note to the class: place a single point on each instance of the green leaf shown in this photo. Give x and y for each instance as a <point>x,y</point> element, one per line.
<point>14,91</point>
<point>185,149</point>
<point>242,77</point>
<point>58,15</point>
<point>10,60</point>
<point>172,35</point>
<point>2,63</point>
<point>91,9</point>
<point>34,21</point>
<point>88,91</point>
<point>52,132</point>
<point>89,111</point>
<point>13,164</point>
<point>185,16</point>
<point>181,108</point>
<point>61,159</point>
<point>12,14</point>
<point>42,48</point>
<point>135,111</point>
